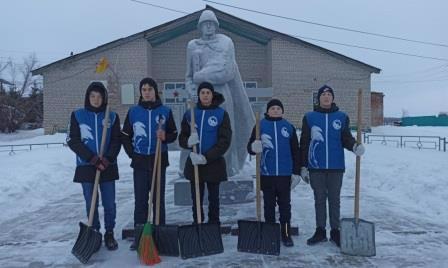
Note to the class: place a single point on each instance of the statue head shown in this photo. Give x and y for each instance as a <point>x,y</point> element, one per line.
<point>207,24</point>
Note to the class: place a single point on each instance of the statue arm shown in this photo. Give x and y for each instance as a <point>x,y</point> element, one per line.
<point>219,73</point>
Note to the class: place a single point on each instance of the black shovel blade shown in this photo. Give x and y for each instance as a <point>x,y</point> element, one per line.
<point>200,240</point>
<point>166,239</point>
<point>259,237</point>
<point>87,243</point>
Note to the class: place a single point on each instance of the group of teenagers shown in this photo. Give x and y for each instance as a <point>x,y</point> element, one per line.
<point>317,157</point>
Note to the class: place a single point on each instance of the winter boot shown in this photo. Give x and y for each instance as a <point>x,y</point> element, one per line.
<point>138,229</point>
<point>319,236</point>
<point>335,237</point>
<point>109,240</point>
<point>286,236</point>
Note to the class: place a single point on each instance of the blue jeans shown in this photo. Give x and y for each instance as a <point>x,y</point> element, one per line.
<point>107,190</point>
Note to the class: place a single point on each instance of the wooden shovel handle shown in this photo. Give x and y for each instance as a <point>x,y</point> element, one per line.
<point>153,179</point>
<point>159,171</point>
<point>196,170</point>
<point>358,158</point>
<point>106,125</point>
<point>257,167</point>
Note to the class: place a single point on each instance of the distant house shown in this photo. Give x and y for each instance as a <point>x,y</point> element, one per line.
<point>272,64</point>
<point>377,108</point>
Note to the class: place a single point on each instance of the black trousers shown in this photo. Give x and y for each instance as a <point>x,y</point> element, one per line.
<point>276,190</point>
<point>213,200</point>
<point>142,186</point>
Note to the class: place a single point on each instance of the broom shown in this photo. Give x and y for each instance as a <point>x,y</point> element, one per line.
<point>147,251</point>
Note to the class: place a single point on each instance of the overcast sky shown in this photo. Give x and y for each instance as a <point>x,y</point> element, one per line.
<point>54,28</point>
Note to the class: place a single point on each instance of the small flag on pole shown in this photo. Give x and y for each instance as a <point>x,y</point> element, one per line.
<point>102,65</point>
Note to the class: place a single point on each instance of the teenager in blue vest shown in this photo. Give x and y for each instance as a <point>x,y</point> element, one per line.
<point>212,139</point>
<point>140,133</point>
<point>280,167</point>
<point>84,138</point>
<point>325,134</point>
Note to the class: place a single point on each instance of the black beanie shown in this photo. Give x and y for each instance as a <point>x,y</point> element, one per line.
<point>274,102</point>
<point>324,88</point>
<point>150,82</point>
<point>206,85</point>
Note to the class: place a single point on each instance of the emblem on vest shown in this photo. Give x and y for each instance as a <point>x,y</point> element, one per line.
<point>285,132</point>
<point>160,118</point>
<point>337,124</point>
<point>212,121</point>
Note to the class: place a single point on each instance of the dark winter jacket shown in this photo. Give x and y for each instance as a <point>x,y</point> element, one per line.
<point>280,156</point>
<point>84,138</point>
<point>139,133</point>
<point>325,134</point>
<point>215,135</point>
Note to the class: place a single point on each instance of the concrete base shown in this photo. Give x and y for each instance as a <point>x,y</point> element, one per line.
<point>128,233</point>
<point>230,192</point>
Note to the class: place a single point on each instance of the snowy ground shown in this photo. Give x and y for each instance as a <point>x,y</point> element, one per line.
<point>404,192</point>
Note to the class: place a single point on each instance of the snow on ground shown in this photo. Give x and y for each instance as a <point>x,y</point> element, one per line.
<point>403,191</point>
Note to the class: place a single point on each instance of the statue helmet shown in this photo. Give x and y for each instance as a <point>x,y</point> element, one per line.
<point>208,15</point>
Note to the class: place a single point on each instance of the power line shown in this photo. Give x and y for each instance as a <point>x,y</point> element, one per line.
<point>374,49</point>
<point>330,26</point>
<point>161,7</point>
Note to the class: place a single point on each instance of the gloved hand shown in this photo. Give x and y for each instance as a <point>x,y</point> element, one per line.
<point>193,139</point>
<point>305,174</point>
<point>104,163</point>
<point>295,179</point>
<point>359,149</point>
<point>256,146</point>
<point>95,160</point>
<point>197,159</point>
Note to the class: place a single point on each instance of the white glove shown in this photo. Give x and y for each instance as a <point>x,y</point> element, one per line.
<point>193,139</point>
<point>197,159</point>
<point>256,146</point>
<point>295,179</point>
<point>305,174</point>
<point>359,149</point>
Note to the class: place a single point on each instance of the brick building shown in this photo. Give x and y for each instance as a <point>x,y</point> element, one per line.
<point>271,64</point>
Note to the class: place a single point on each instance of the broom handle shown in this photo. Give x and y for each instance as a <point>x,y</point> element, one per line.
<point>154,169</point>
<point>196,171</point>
<point>159,171</point>
<point>98,172</point>
<point>257,168</point>
<point>358,158</point>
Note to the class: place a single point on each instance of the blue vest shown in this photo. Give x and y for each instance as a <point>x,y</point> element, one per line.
<point>326,151</point>
<point>145,124</point>
<point>276,159</point>
<point>91,128</point>
<point>207,125</point>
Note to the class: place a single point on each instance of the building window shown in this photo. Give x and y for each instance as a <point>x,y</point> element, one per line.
<point>174,85</point>
<point>250,84</point>
<point>127,94</point>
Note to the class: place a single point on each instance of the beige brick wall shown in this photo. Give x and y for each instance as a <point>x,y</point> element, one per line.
<point>65,84</point>
<point>293,70</point>
<point>297,71</point>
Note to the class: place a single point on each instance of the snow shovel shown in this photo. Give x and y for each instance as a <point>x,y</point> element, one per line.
<point>200,239</point>
<point>257,236</point>
<point>165,236</point>
<point>89,239</point>
<point>357,235</point>
<point>147,251</point>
